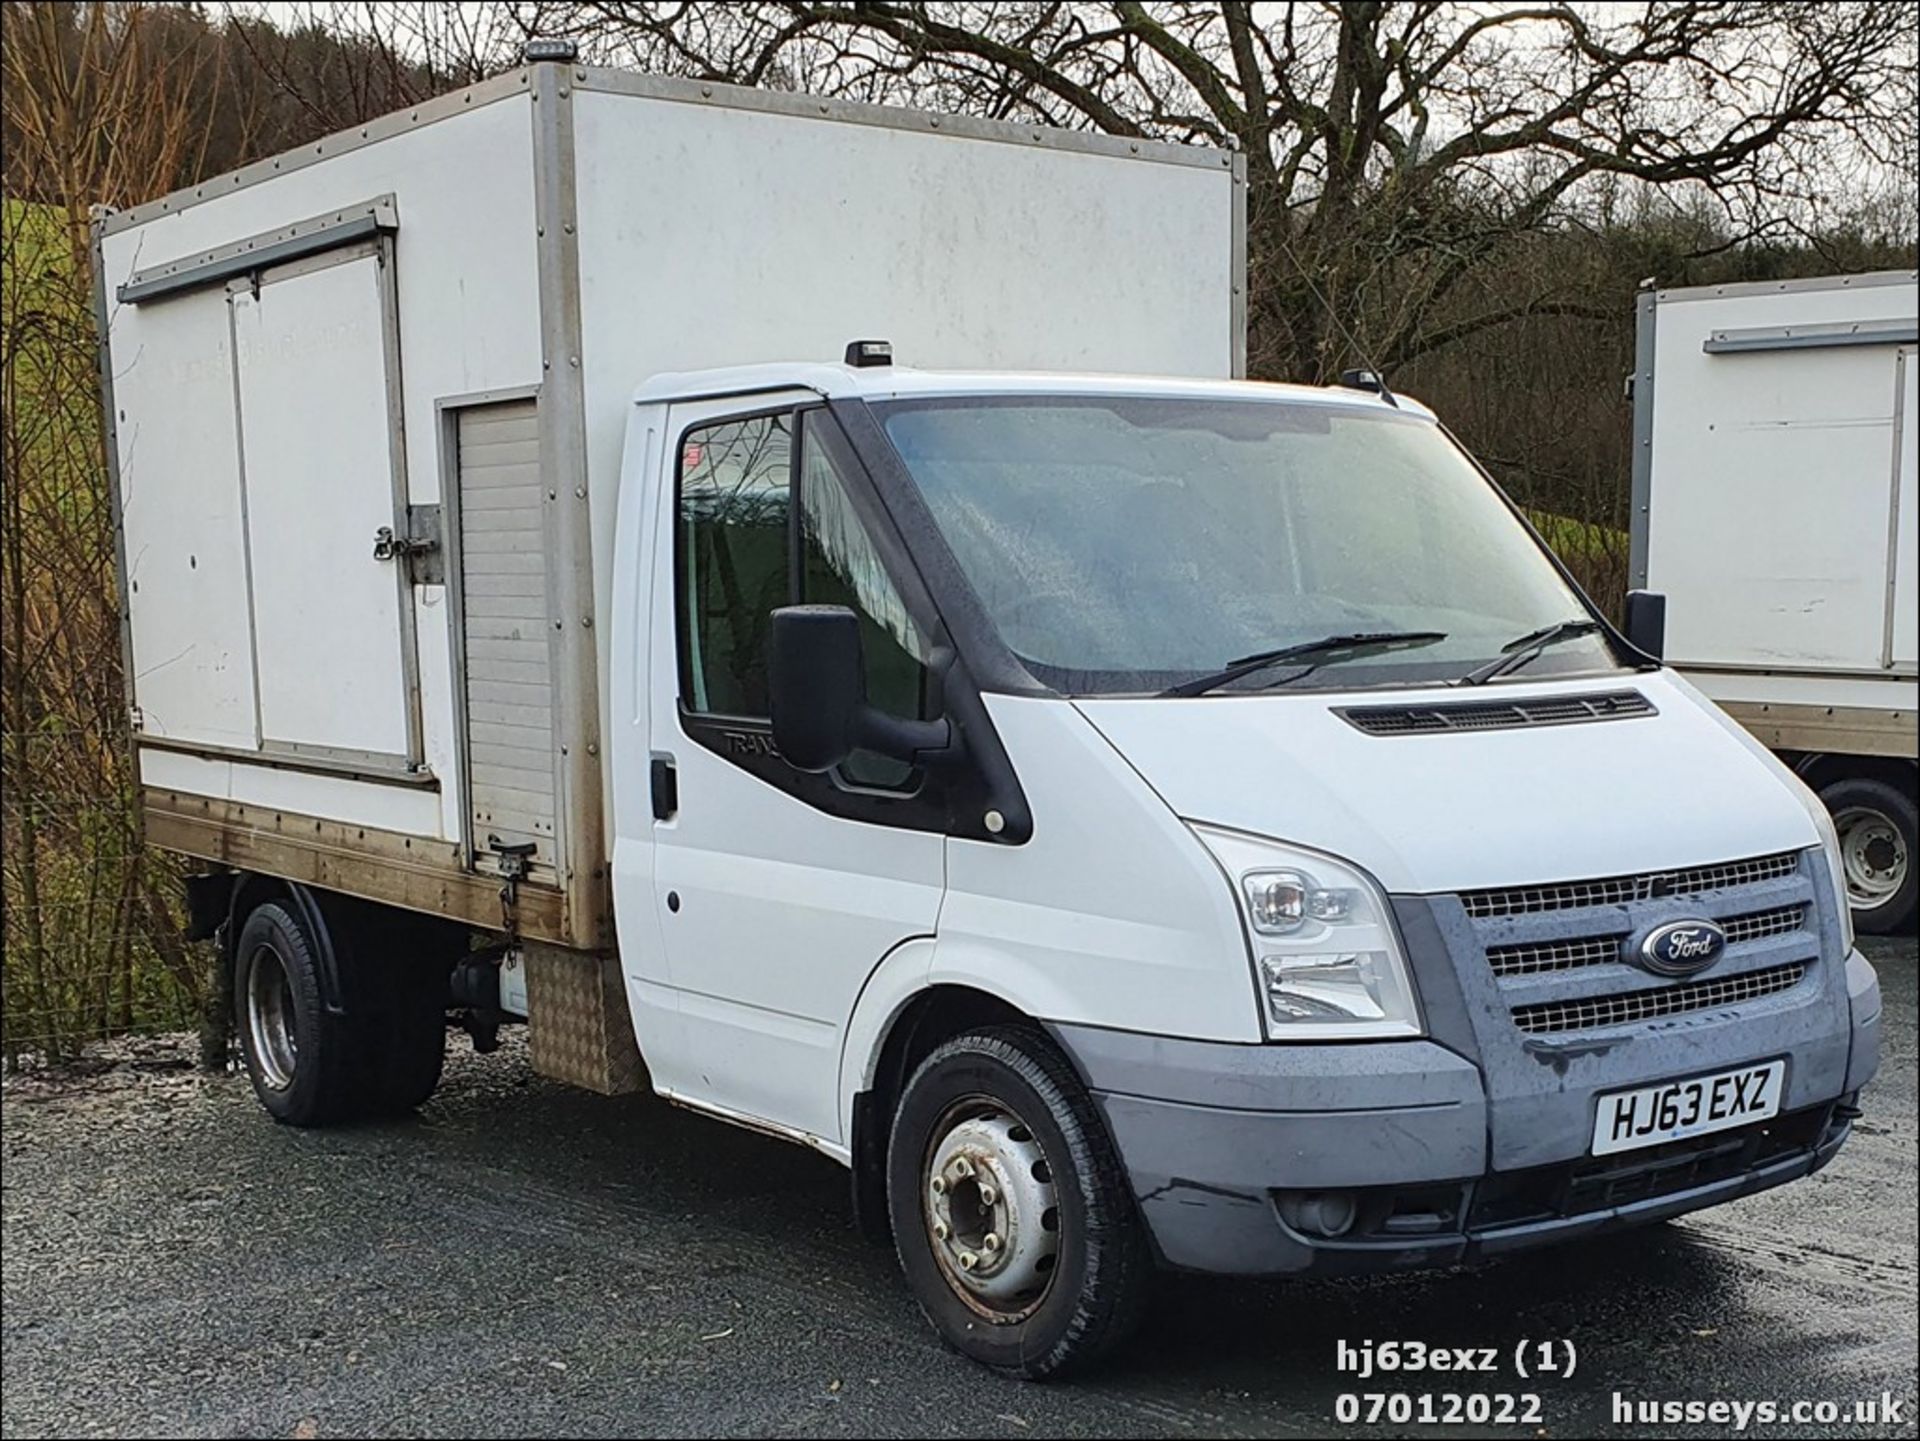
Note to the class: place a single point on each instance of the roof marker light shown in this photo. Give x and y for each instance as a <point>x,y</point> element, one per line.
<point>863,353</point>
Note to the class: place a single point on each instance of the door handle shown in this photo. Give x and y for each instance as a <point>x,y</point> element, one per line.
<point>666,788</point>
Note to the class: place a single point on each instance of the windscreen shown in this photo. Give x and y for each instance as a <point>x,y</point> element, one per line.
<point>1126,545</point>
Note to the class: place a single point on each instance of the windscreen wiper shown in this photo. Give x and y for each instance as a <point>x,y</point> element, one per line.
<point>1358,643</point>
<point>1516,653</point>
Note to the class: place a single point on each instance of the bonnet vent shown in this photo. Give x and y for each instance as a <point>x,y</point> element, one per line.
<point>1555,710</point>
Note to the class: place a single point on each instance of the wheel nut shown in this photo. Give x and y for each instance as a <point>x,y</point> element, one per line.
<point>962,1167</point>
<point>968,1260</point>
<point>992,1241</point>
<point>939,1186</point>
<point>987,1194</point>
<point>940,1230</point>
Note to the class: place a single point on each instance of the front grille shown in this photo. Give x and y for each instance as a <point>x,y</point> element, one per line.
<point>1622,890</point>
<point>1406,720</point>
<point>1781,921</point>
<point>1533,957</point>
<point>1627,1008</point>
<point>1540,956</point>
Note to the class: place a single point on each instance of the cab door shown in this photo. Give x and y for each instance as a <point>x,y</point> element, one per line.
<point>776,893</point>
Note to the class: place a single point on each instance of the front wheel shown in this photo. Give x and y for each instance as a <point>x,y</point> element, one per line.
<point>1875,823</point>
<point>1015,1225</point>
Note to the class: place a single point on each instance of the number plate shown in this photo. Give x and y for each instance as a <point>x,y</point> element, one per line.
<point>1628,1120</point>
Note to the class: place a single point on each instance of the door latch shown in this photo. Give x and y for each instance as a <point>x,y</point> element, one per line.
<point>419,548</point>
<point>387,546</point>
<point>513,860</point>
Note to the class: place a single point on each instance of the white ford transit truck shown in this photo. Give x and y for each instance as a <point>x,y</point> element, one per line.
<point>1129,820</point>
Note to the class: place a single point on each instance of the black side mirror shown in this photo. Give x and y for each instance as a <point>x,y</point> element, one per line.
<point>1646,619</point>
<point>817,677</point>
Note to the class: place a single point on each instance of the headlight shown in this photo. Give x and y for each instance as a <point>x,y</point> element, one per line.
<point>1327,959</point>
<point>1830,843</point>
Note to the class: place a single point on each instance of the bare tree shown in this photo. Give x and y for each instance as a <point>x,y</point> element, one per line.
<point>1393,147</point>
<point>335,65</point>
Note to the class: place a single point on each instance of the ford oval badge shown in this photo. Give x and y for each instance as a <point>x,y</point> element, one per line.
<point>1679,948</point>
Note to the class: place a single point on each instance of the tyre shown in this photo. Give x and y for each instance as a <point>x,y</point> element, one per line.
<point>1876,823</point>
<point>302,1058</point>
<point>1013,1219</point>
<point>403,1032</point>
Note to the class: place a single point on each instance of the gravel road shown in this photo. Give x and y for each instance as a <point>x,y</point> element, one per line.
<point>523,1259</point>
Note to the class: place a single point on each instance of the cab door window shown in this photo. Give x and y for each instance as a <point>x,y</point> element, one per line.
<point>762,522</point>
<point>735,481</point>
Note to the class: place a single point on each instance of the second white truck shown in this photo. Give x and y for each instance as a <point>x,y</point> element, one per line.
<point>1776,430</point>
<point>1128,820</point>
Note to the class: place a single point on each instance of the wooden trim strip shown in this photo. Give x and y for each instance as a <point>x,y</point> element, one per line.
<point>416,873</point>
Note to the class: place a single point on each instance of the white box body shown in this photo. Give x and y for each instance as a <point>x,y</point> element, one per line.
<point>452,308</point>
<point>1774,501</point>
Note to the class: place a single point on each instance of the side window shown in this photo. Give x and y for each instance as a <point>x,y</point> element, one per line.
<point>744,548</point>
<point>839,566</point>
<point>735,478</point>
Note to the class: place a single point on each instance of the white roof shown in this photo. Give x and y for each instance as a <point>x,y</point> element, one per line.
<point>888,382</point>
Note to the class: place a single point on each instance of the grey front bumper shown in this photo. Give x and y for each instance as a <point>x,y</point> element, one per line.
<point>1217,1139</point>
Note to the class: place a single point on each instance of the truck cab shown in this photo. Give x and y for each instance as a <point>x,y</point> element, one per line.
<point>1133,821</point>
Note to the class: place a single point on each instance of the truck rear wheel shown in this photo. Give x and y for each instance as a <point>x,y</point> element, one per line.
<point>1013,1219</point>
<point>1876,825</point>
<point>378,1050</point>
<point>404,1033</point>
<point>301,1056</point>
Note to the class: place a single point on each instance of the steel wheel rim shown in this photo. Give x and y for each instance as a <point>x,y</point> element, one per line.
<point>1873,854</point>
<point>270,1018</point>
<point>991,1211</point>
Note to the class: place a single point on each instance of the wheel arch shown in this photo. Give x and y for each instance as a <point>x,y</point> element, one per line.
<point>907,1008</point>
<point>252,890</point>
<point>339,925</point>
<point>1822,768</point>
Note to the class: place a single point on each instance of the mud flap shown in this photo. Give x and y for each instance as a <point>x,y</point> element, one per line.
<point>578,1026</point>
